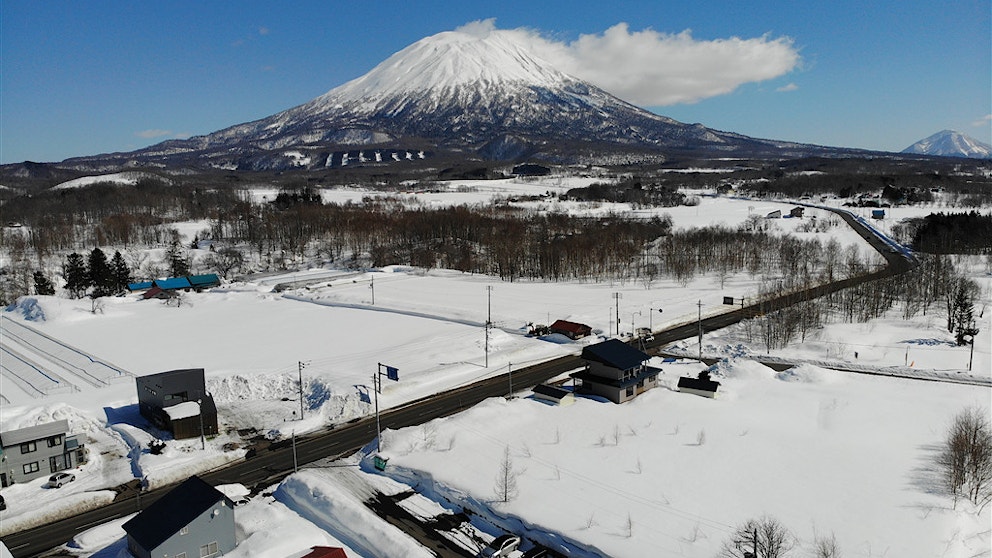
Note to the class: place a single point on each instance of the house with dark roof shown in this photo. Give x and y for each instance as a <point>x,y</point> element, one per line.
<point>554,395</point>
<point>38,451</point>
<point>702,386</point>
<point>178,401</point>
<point>193,520</point>
<point>572,330</point>
<point>616,371</point>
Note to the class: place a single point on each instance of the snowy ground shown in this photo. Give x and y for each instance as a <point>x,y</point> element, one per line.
<point>253,342</point>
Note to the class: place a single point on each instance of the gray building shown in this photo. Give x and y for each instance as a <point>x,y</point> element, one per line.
<point>38,451</point>
<point>194,520</point>
<point>616,371</point>
<point>160,399</point>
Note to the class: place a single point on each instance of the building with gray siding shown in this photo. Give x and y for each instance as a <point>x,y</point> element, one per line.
<point>38,451</point>
<point>194,520</point>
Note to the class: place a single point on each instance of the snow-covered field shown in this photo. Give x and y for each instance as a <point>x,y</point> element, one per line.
<point>829,453</point>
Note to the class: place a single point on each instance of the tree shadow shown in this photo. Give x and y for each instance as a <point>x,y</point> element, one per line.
<point>926,476</point>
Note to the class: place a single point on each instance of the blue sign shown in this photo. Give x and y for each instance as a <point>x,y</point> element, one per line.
<point>392,373</point>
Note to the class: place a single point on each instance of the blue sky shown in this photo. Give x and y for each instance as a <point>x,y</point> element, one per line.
<point>81,78</point>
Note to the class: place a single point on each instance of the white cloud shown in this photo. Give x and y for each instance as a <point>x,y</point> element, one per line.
<point>983,121</point>
<point>787,88</point>
<point>651,68</point>
<point>152,133</point>
<point>263,31</point>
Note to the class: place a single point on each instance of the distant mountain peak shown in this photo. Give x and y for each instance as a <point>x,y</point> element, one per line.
<point>950,143</point>
<point>449,60</point>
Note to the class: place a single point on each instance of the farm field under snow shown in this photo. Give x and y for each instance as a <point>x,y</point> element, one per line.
<point>251,342</point>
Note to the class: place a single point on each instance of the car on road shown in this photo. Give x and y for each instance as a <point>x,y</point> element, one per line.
<point>59,479</point>
<point>501,547</point>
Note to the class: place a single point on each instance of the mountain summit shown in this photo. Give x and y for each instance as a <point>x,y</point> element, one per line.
<point>477,94</point>
<point>948,143</point>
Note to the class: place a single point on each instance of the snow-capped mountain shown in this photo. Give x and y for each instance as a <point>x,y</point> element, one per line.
<point>948,143</point>
<point>454,92</point>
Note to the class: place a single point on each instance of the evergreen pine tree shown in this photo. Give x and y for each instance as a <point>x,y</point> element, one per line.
<point>101,276</point>
<point>176,259</point>
<point>77,278</point>
<point>120,272</point>
<point>42,285</point>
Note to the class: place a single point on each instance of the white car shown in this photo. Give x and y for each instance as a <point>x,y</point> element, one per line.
<point>58,479</point>
<point>501,547</point>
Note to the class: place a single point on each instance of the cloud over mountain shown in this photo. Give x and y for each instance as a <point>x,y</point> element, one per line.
<point>650,68</point>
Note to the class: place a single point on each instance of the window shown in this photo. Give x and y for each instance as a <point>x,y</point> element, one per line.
<point>184,530</point>
<point>55,441</point>
<point>630,391</point>
<point>32,467</point>
<point>208,549</point>
<point>28,447</point>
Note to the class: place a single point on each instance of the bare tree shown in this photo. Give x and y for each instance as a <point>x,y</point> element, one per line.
<point>506,479</point>
<point>966,458</point>
<point>764,537</point>
<point>826,547</point>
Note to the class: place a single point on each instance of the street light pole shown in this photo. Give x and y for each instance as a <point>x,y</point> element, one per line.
<point>378,428</point>
<point>617,297</point>
<point>203,439</point>
<point>700,321</point>
<point>301,366</point>
<point>489,318</point>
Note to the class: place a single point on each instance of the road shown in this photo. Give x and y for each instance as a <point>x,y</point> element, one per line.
<point>271,465</point>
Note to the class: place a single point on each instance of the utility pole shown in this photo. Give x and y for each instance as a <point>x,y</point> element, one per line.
<point>301,365</point>
<point>203,439</point>
<point>509,374</point>
<point>700,321</point>
<point>296,468</point>
<point>489,318</point>
<point>372,286</point>
<point>617,297</point>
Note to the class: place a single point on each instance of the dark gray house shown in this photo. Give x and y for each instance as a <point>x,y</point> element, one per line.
<point>38,451</point>
<point>175,401</point>
<point>194,520</point>
<point>702,385</point>
<point>616,371</point>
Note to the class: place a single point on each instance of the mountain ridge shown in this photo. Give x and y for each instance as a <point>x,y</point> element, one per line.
<point>484,96</point>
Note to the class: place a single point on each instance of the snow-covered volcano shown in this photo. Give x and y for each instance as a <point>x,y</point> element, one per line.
<point>948,143</point>
<point>485,94</point>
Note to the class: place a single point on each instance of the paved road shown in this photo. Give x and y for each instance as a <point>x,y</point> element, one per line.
<point>273,464</point>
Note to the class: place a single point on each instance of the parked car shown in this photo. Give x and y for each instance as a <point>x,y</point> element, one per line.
<point>501,547</point>
<point>58,479</point>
